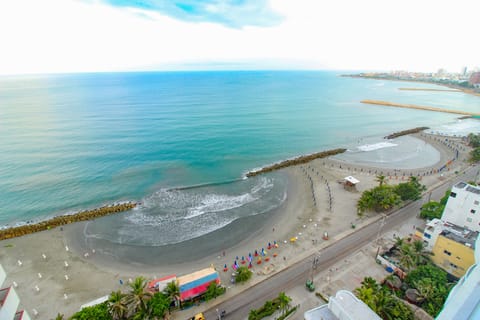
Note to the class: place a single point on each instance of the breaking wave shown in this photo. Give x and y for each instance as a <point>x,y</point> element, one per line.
<point>171,216</point>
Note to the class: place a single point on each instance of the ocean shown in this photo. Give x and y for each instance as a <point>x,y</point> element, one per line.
<point>181,142</point>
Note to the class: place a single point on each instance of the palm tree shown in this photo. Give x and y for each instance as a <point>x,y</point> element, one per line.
<point>381,179</point>
<point>369,282</point>
<point>383,305</point>
<point>136,300</point>
<point>366,294</point>
<point>407,257</point>
<point>425,288</point>
<point>116,307</point>
<point>284,302</point>
<point>172,291</point>
<point>59,316</point>
<point>421,255</point>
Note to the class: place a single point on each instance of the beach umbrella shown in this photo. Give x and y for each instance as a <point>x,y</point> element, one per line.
<point>225,269</point>
<point>256,253</point>
<point>243,260</point>
<point>236,258</point>
<point>250,265</point>
<point>269,246</point>
<point>263,252</point>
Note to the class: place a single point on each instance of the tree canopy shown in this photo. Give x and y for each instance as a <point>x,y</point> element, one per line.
<point>384,197</point>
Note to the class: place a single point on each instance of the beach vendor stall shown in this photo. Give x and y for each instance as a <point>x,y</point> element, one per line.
<point>350,183</point>
<point>157,285</point>
<point>195,284</point>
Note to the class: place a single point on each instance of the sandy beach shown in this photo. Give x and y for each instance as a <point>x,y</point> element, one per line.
<point>69,273</point>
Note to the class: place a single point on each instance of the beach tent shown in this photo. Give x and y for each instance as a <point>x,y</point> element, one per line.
<point>350,182</point>
<point>196,283</point>
<point>161,283</point>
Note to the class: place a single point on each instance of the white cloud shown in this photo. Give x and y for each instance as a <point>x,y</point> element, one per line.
<point>72,36</point>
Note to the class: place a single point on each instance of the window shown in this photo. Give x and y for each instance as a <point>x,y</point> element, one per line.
<point>448,253</point>
<point>472,211</point>
<point>453,266</point>
<point>453,194</point>
<point>469,219</point>
<point>427,235</point>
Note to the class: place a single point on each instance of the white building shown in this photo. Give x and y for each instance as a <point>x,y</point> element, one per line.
<point>463,206</point>
<point>344,306</point>
<point>431,232</point>
<point>9,301</point>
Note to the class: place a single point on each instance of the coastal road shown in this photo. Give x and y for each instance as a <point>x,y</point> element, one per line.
<point>240,305</point>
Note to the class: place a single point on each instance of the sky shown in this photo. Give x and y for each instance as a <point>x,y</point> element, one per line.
<point>56,36</point>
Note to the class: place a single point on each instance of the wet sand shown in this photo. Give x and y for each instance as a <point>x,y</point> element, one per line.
<point>92,274</point>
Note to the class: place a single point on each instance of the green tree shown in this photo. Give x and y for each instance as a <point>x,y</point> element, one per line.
<point>284,302</point>
<point>369,282</point>
<point>445,197</point>
<point>425,288</point>
<point>421,255</point>
<point>411,190</point>
<point>158,306</point>
<point>474,140</point>
<point>426,271</point>
<point>116,307</point>
<point>253,314</point>
<point>60,317</point>
<point>407,257</point>
<point>137,298</point>
<point>475,155</point>
<point>97,312</point>
<point>172,290</point>
<point>381,179</point>
<point>243,274</point>
<point>381,198</point>
<point>432,210</point>
<point>213,291</point>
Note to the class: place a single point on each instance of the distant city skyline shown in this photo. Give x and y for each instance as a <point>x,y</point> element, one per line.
<point>57,36</point>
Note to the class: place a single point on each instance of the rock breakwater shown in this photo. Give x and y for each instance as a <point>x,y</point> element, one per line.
<point>296,161</point>
<point>65,219</point>
<point>405,132</point>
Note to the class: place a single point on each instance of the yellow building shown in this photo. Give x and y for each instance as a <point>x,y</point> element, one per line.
<point>454,250</point>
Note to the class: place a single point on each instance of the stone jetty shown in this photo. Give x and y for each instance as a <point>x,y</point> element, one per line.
<point>65,219</point>
<point>412,106</point>
<point>296,161</point>
<point>405,132</point>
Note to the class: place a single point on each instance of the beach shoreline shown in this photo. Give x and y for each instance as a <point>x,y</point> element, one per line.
<point>315,204</point>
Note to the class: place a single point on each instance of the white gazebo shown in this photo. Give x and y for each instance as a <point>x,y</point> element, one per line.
<point>350,182</point>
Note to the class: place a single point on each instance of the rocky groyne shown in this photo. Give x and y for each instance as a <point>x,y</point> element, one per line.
<point>405,132</point>
<point>296,161</point>
<point>65,219</point>
<point>413,106</point>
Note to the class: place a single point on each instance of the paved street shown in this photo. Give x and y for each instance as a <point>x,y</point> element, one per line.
<point>239,306</point>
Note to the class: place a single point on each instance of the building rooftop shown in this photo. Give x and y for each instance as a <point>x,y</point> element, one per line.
<point>460,235</point>
<point>468,187</point>
<point>341,307</point>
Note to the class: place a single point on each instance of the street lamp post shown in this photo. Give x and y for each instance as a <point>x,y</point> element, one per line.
<point>384,217</point>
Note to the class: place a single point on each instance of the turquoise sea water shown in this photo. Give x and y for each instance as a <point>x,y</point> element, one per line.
<point>69,142</point>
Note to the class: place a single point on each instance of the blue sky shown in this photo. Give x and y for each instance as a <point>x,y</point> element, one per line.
<point>230,13</point>
<point>52,36</point>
